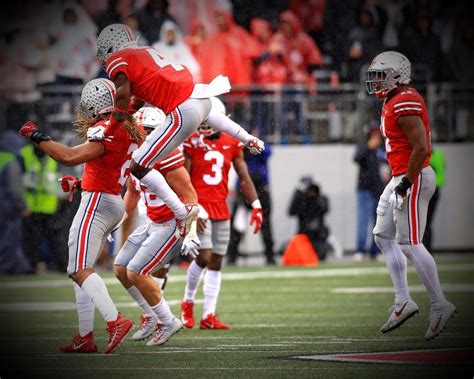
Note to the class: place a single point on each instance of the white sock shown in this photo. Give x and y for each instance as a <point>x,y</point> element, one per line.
<point>138,297</point>
<point>157,184</point>
<point>85,311</point>
<point>193,277</point>
<point>426,269</point>
<point>159,282</point>
<point>95,287</point>
<point>222,123</point>
<point>163,312</point>
<point>397,267</point>
<point>212,287</point>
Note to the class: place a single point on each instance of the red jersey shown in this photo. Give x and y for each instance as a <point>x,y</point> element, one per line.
<point>156,209</point>
<point>210,171</point>
<point>404,103</point>
<point>109,172</point>
<point>152,77</point>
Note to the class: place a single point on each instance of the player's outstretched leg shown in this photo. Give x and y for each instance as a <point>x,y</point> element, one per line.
<point>404,307</point>
<point>441,309</point>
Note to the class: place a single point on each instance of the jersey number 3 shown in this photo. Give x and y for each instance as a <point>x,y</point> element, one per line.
<point>218,159</point>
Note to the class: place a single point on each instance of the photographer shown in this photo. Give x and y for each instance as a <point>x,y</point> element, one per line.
<point>310,206</point>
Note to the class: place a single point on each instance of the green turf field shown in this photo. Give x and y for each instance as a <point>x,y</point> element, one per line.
<point>275,314</point>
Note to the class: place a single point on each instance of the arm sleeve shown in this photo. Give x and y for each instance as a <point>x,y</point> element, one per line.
<point>408,106</point>
<point>171,162</point>
<point>116,64</point>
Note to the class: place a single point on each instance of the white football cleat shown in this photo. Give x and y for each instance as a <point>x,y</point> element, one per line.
<point>400,313</point>
<point>147,326</point>
<point>184,224</point>
<point>255,146</point>
<point>439,316</point>
<point>165,332</point>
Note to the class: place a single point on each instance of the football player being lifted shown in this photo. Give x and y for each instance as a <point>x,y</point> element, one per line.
<point>143,72</point>
<point>152,245</point>
<point>209,157</point>
<point>101,209</point>
<point>403,205</point>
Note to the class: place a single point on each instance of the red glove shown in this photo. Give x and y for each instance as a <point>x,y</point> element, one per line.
<point>256,218</point>
<point>70,184</point>
<point>27,129</point>
<point>31,131</point>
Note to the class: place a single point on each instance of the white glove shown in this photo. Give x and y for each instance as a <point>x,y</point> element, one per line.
<point>255,146</point>
<point>96,133</point>
<point>191,246</point>
<point>396,200</point>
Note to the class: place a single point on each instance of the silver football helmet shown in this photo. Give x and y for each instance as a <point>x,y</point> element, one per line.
<point>113,38</point>
<point>216,105</point>
<point>150,117</point>
<point>387,71</point>
<point>97,97</point>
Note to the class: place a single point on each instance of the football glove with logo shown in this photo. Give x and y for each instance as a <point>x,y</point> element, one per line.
<point>70,184</point>
<point>257,216</point>
<point>31,131</point>
<point>255,146</point>
<point>399,193</point>
<point>96,133</point>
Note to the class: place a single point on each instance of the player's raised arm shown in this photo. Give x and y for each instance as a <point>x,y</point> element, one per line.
<point>249,191</point>
<point>65,155</point>
<point>416,134</point>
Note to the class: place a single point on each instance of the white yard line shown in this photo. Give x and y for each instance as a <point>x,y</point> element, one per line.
<point>64,306</point>
<point>316,273</point>
<point>451,287</point>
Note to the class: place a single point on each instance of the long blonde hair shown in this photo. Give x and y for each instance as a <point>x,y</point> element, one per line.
<point>83,122</point>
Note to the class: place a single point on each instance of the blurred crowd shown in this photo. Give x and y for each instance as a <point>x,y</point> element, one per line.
<point>265,42</point>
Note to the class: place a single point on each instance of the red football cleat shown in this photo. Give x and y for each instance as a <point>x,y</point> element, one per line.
<point>187,313</point>
<point>118,330</point>
<point>80,344</point>
<point>212,322</point>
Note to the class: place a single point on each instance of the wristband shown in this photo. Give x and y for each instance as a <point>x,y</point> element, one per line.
<point>256,204</point>
<point>119,110</point>
<point>38,136</point>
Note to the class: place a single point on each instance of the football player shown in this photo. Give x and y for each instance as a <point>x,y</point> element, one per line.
<point>402,208</point>
<point>152,245</point>
<point>143,72</point>
<point>101,209</point>
<point>209,156</point>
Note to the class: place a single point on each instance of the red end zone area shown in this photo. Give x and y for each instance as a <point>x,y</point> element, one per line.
<point>438,356</point>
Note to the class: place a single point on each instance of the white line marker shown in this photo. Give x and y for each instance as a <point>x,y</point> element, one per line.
<point>277,274</point>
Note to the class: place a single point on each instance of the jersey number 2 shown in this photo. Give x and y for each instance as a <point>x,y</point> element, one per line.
<point>218,159</point>
<point>125,169</point>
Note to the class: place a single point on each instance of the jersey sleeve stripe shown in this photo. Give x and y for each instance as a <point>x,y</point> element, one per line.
<point>109,72</point>
<point>181,159</point>
<point>171,157</point>
<point>407,103</point>
<point>408,109</point>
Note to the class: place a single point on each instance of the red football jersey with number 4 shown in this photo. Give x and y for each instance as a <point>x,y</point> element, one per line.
<point>109,172</point>
<point>404,103</point>
<point>210,171</point>
<point>152,77</point>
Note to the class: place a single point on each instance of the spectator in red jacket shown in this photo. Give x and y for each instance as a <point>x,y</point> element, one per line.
<point>231,50</point>
<point>303,53</point>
